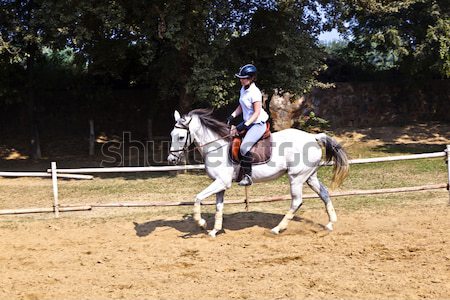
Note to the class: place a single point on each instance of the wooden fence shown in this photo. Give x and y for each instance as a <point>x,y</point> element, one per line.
<point>56,173</point>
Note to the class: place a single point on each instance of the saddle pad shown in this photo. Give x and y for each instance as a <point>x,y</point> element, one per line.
<point>261,151</point>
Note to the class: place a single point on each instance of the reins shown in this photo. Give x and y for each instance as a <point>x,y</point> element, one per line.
<point>186,150</point>
<point>206,144</point>
<point>185,147</point>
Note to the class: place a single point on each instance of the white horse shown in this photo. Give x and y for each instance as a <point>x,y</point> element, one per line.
<point>294,151</point>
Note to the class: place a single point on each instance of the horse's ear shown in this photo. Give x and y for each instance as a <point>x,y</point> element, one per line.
<point>176,115</point>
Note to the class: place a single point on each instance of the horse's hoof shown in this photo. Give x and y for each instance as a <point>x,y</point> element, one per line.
<point>212,233</point>
<point>275,231</point>
<point>329,226</point>
<point>202,223</point>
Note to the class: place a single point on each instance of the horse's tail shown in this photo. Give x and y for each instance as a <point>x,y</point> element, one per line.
<point>335,151</point>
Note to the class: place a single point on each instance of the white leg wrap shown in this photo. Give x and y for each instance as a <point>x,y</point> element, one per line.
<point>331,212</point>
<point>197,212</point>
<point>197,216</point>
<point>202,223</point>
<point>275,230</point>
<point>284,223</point>
<point>218,221</point>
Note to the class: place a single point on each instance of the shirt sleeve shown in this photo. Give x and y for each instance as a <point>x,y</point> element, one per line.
<point>257,96</point>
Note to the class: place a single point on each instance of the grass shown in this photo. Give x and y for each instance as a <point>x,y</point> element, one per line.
<point>35,192</point>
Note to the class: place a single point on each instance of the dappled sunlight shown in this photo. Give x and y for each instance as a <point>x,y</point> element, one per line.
<point>103,139</point>
<point>425,133</point>
<point>12,154</point>
<point>377,141</point>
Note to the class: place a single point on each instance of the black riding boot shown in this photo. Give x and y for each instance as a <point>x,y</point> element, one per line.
<point>246,165</point>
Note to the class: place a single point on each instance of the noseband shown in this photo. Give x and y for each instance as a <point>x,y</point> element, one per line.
<point>187,143</point>
<point>177,153</point>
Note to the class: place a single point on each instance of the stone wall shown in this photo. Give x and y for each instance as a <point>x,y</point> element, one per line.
<point>367,104</point>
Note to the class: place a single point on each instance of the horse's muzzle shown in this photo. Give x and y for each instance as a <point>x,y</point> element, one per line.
<point>172,159</point>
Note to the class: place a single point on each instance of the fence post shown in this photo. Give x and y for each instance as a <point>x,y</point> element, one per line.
<point>448,170</point>
<point>55,190</point>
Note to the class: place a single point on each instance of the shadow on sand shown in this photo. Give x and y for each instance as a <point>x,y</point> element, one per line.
<point>236,221</point>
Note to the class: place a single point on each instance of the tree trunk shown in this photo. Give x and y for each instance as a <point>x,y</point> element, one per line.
<point>35,140</point>
<point>185,100</point>
<point>91,138</point>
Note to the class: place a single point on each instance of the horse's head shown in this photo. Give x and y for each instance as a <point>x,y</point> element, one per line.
<point>181,138</point>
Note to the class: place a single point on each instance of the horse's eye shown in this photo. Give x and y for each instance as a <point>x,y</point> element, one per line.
<point>181,138</point>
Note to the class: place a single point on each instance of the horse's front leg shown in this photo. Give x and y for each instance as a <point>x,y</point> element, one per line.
<point>219,214</point>
<point>215,187</point>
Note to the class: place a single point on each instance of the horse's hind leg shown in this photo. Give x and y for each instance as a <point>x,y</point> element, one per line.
<point>322,191</point>
<point>296,193</point>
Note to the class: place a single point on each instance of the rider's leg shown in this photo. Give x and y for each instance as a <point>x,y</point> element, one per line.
<point>251,137</point>
<point>246,165</point>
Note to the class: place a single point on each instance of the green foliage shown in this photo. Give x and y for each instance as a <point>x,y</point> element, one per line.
<point>344,63</point>
<point>278,57</point>
<point>312,123</point>
<point>411,36</point>
<point>189,50</point>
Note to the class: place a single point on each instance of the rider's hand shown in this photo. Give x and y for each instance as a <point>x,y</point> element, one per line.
<point>230,119</point>
<point>233,131</point>
<point>242,126</point>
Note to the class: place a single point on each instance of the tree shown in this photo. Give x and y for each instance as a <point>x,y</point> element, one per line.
<point>184,51</point>
<point>21,38</point>
<point>411,36</point>
<point>288,60</point>
<point>32,32</point>
<point>279,37</point>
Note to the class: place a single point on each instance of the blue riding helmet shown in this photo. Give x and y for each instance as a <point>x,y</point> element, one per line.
<point>246,71</point>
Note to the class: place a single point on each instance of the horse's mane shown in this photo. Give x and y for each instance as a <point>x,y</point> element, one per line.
<point>207,120</point>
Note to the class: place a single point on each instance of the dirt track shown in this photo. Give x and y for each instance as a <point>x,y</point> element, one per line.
<point>383,252</point>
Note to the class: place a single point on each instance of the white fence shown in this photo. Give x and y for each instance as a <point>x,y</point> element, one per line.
<point>44,174</point>
<point>55,173</point>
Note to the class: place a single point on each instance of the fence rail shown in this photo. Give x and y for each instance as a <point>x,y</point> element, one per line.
<point>131,169</point>
<point>202,166</point>
<point>56,173</point>
<point>44,174</point>
<point>268,199</point>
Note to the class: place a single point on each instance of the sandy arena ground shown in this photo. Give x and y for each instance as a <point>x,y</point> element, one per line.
<point>395,252</point>
<point>384,247</point>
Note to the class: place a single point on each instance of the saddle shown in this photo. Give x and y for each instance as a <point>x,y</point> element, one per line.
<point>261,151</point>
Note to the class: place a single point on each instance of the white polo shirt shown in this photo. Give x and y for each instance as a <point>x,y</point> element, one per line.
<point>246,100</point>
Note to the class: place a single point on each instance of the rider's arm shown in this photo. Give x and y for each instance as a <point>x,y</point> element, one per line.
<point>237,111</point>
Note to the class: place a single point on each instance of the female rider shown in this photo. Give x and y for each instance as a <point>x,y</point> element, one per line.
<point>254,116</point>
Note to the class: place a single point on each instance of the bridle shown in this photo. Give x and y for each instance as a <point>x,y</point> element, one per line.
<point>187,143</point>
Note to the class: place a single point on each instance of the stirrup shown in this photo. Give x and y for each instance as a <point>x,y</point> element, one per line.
<point>246,181</point>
